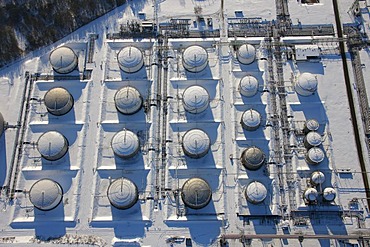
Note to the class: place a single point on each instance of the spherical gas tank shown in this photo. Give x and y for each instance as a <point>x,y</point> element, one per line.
<point>248,86</point>
<point>195,58</point>
<point>329,194</point>
<point>306,84</point>
<point>128,100</point>
<point>314,156</point>
<point>317,178</point>
<point>52,145</point>
<point>253,158</point>
<point>63,60</point>
<point>256,192</point>
<point>122,193</point>
<point>251,120</point>
<point>246,54</point>
<point>195,99</point>
<point>312,139</point>
<point>310,194</point>
<point>196,143</point>
<point>46,194</point>
<point>196,193</point>
<point>125,144</point>
<point>58,101</point>
<point>310,125</point>
<point>130,59</point>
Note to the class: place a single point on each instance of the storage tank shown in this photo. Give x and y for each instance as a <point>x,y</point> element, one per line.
<point>46,194</point>
<point>248,86</point>
<point>196,193</point>
<point>195,99</point>
<point>317,178</point>
<point>58,101</point>
<point>130,59</point>
<point>310,194</point>
<point>314,156</point>
<point>52,145</point>
<point>253,158</point>
<point>122,193</point>
<point>246,54</point>
<point>306,84</point>
<point>125,144</point>
<point>311,125</point>
<point>63,60</point>
<point>329,194</point>
<point>312,139</point>
<point>196,143</point>
<point>195,58</point>
<point>251,120</point>
<point>128,100</point>
<point>2,124</point>
<point>256,192</point>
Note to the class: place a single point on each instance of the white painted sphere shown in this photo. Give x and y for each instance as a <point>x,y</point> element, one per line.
<point>306,84</point>
<point>248,86</point>
<point>122,193</point>
<point>246,54</point>
<point>130,59</point>
<point>63,60</point>
<point>52,145</point>
<point>196,143</point>
<point>251,120</point>
<point>125,144</point>
<point>128,100</point>
<point>253,158</point>
<point>196,193</point>
<point>314,156</point>
<point>195,58</point>
<point>256,192</point>
<point>310,194</point>
<point>46,194</point>
<point>195,99</point>
<point>58,101</point>
<point>329,194</point>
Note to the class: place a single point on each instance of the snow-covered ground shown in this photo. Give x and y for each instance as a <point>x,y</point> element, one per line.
<point>159,217</point>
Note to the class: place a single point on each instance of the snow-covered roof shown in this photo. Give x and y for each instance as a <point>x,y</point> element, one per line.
<point>303,52</point>
<point>315,155</point>
<point>196,143</point>
<point>125,144</point>
<point>256,192</point>
<point>253,158</point>
<point>251,119</point>
<point>246,54</point>
<point>196,193</point>
<point>122,193</point>
<point>52,145</point>
<point>317,177</point>
<point>248,86</point>
<point>128,100</point>
<point>195,99</point>
<point>130,59</point>
<point>195,58</point>
<point>58,101</point>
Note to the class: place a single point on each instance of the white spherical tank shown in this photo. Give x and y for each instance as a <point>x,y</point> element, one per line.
<point>311,125</point>
<point>125,144</point>
<point>314,156</point>
<point>52,145</point>
<point>251,120</point>
<point>248,86</point>
<point>195,99</point>
<point>246,54</point>
<point>256,192</point>
<point>196,193</point>
<point>58,101</point>
<point>253,158</point>
<point>312,139</point>
<point>130,59</point>
<point>317,178</point>
<point>310,194</point>
<point>63,60</point>
<point>329,194</point>
<point>128,100</point>
<point>46,194</point>
<point>195,58</point>
<point>122,193</point>
<point>196,143</point>
<point>2,124</point>
<point>306,84</point>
